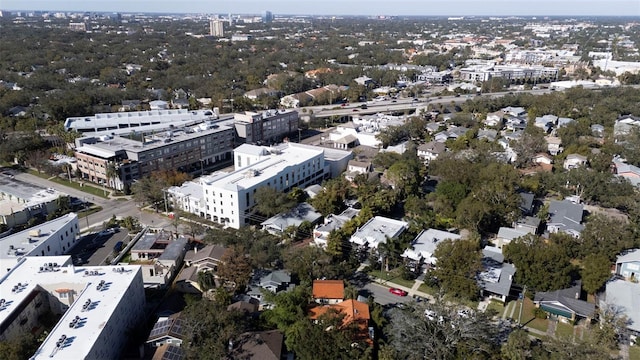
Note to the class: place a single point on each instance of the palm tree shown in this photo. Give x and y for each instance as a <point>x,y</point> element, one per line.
<point>111,172</point>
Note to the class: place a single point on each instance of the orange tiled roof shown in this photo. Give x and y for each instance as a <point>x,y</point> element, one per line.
<point>328,289</point>
<point>355,311</point>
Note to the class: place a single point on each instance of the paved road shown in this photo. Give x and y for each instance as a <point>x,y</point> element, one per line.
<point>110,207</point>
<point>94,248</point>
<point>382,296</point>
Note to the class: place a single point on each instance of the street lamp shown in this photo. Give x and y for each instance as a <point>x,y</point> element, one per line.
<point>86,212</point>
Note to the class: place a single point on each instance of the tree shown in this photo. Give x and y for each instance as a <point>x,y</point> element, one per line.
<point>458,264</point>
<point>289,307</point>
<point>605,235</point>
<point>445,333</point>
<point>595,272</point>
<point>517,347</point>
<point>206,280</point>
<point>19,348</point>
<point>612,323</point>
<point>270,202</point>
<point>331,198</point>
<point>541,265</point>
<point>209,327</point>
<point>235,267</point>
<point>149,190</point>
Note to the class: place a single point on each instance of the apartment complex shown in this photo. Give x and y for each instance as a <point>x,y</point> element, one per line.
<point>122,147</point>
<point>216,27</point>
<point>228,198</point>
<point>479,73</point>
<point>266,127</point>
<point>100,306</point>
<point>184,149</point>
<point>51,238</point>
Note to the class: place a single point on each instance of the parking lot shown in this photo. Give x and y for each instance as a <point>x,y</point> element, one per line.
<point>94,248</point>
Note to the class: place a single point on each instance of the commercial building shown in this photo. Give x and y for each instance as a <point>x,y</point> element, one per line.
<point>100,306</point>
<point>20,201</point>
<point>184,149</point>
<point>216,28</point>
<point>479,73</point>
<point>52,238</point>
<point>229,197</point>
<point>266,127</point>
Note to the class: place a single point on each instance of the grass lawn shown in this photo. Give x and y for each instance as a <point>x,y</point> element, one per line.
<point>498,307</point>
<point>528,319</point>
<point>85,188</point>
<point>634,352</point>
<point>428,289</point>
<point>564,331</point>
<point>392,276</point>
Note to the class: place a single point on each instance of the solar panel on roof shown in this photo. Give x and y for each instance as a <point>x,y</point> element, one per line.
<point>173,353</point>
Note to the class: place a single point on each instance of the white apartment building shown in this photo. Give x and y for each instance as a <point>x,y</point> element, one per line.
<point>52,238</point>
<point>100,306</point>
<point>228,198</point>
<point>377,230</point>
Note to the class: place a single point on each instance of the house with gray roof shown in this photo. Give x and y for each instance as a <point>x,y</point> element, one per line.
<point>276,225</point>
<point>565,216</point>
<point>332,222</point>
<point>506,235</point>
<point>431,150</point>
<point>496,277</point>
<point>625,297</point>
<point>628,265</point>
<point>425,244</point>
<point>566,304</point>
<point>626,171</point>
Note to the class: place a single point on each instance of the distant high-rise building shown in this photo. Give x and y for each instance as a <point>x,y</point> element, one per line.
<point>267,17</point>
<point>216,28</point>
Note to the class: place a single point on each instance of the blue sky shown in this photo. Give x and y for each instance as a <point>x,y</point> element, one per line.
<point>344,7</point>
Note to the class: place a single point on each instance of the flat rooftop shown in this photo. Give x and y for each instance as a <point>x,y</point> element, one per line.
<point>22,195</point>
<point>282,157</point>
<point>377,230</point>
<point>105,120</point>
<point>28,277</point>
<point>15,246</point>
<point>109,146</point>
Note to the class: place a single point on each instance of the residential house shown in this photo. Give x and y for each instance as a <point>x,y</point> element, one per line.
<point>431,150</point>
<point>355,312</point>
<point>542,159</point>
<point>628,265</point>
<point>363,80</point>
<point>506,235</point>
<point>258,345</point>
<point>160,255</point>
<point>554,145</point>
<point>496,277</point>
<point>514,111</point>
<point>424,245</point>
<point>565,304</point>
<point>130,105</point>
<point>495,119</point>
<point>273,281</point>
<point>487,134</point>
<point>332,222</point>
<point>625,124</point>
<point>562,122</point>
<point>528,224</point>
<point>355,168</point>
<point>377,230</point>
<point>432,127</point>
<point>196,261</point>
<point>546,122</point>
<point>574,161</point>
<point>624,295</point>
<point>516,123</point>
<point>626,171</point>
<point>565,216</point>
<point>167,331</point>
<point>526,203</point>
<point>597,130</point>
<point>303,212</point>
<point>328,291</point>
<point>169,352</point>
<point>256,93</point>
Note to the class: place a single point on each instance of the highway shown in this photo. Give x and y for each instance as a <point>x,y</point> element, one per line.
<point>401,104</point>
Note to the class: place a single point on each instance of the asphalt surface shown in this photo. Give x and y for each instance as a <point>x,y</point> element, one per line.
<point>94,248</point>
<point>382,296</point>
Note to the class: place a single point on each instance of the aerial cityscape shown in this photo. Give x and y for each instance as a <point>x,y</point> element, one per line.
<point>345,180</point>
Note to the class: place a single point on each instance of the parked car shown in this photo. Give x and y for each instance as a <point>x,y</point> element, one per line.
<point>399,292</point>
<point>118,246</point>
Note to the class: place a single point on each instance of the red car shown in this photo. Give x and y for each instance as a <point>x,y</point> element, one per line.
<point>397,291</point>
